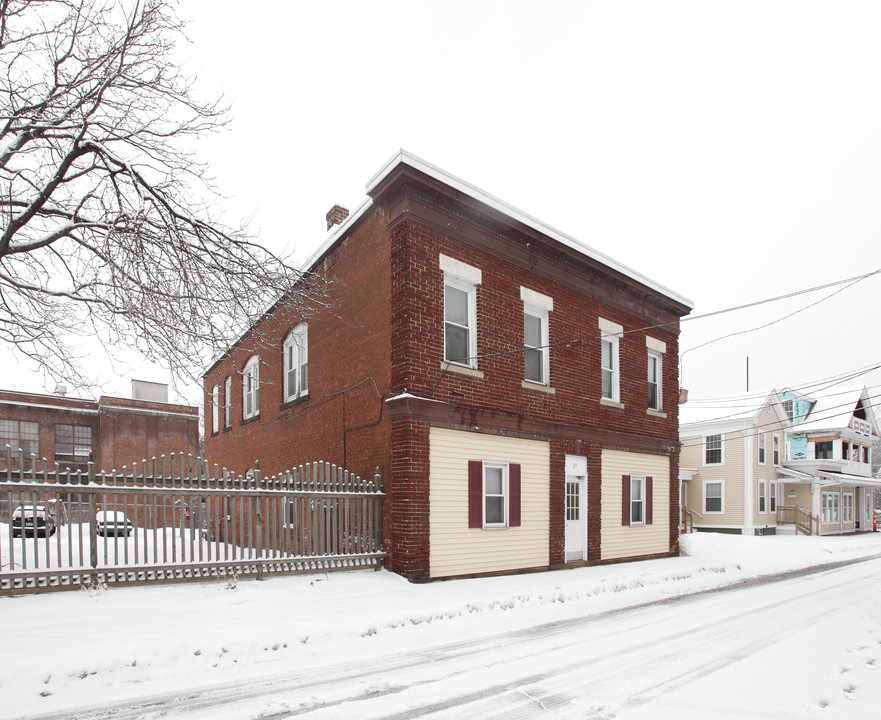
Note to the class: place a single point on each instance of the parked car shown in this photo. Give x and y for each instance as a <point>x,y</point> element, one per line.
<point>112,522</point>
<point>33,520</point>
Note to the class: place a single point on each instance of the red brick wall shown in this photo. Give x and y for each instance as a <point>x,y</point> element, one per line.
<point>123,430</point>
<point>344,419</point>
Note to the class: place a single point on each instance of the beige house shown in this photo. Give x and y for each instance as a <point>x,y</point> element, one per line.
<point>778,461</point>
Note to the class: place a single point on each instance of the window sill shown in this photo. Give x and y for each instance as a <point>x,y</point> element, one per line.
<point>251,419</point>
<point>530,385</point>
<point>611,403</point>
<point>462,370</point>
<point>227,428</point>
<point>656,413</point>
<point>296,401</point>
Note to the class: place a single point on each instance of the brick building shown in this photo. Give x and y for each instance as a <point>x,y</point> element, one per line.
<point>517,389</point>
<point>114,431</point>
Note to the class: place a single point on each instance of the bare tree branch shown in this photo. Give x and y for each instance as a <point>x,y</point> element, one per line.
<point>105,227</point>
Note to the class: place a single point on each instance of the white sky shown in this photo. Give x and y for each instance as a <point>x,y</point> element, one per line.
<point>728,150</point>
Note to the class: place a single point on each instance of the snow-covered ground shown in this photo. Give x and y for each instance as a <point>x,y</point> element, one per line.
<point>68,650</point>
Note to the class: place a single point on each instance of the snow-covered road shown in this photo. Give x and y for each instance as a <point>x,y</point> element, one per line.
<point>808,644</point>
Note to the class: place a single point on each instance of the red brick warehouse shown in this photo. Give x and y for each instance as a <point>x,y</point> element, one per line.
<point>517,389</point>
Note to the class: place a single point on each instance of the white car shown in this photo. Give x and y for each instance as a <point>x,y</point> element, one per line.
<point>112,522</point>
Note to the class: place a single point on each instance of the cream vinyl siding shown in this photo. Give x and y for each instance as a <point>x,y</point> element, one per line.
<point>802,499</point>
<point>622,541</point>
<point>456,549</point>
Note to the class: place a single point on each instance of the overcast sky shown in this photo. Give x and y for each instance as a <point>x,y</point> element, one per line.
<point>729,150</point>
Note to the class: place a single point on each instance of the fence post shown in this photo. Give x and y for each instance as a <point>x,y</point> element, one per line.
<point>259,519</point>
<point>377,479</point>
<point>93,525</point>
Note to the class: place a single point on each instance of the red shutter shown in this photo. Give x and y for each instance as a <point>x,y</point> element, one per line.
<point>648,501</point>
<point>625,499</point>
<point>514,495</point>
<point>475,494</point>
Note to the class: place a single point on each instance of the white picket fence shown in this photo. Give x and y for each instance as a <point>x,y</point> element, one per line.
<point>185,523</point>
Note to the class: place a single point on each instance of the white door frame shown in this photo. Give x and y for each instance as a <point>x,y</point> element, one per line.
<point>576,471</point>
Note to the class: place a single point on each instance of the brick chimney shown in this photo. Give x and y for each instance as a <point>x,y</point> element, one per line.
<point>336,215</point>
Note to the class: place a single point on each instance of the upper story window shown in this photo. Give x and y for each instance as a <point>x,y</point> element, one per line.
<point>20,435</point>
<point>460,311</point>
<point>713,450</point>
<point>776,441</point>
<point>536,356</point>
<point>823,450</point>
<point>73,442</point>
<point>762,448</point>
<point>296,363</point>
<point>609,359</point>
<point>654,381</point>
<point>789,408</point>
<point>215,409</point>
<point>227,402</point>
<point>251,388</point>
<point>656,350</point>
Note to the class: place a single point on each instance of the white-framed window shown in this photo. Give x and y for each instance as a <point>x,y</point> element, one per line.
<point>637,500</point>
<point>495,495</point>
<point>227,402</point>
<point>654,381</point>
<point>536,354</point>
<point>251,388</point>
<point>761,445</point>
<point>296,363</point>
<point>713,450</point>
<point>609,360</point>
<point>776,441</point>
<point>847,507</point>
<point>460,311</point>
<point>773,489</point>
<point>215,409</point>
<point>714,496</point>
<point>762,492</point>
<point>830,508</point>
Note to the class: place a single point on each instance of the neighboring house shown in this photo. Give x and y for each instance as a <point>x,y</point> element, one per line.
<point>517,389</point>
<point>754,464</point>
<point>112,431</point>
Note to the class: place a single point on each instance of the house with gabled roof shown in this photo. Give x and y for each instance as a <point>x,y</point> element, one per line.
<point>517,389</point>
<point>778,461</point>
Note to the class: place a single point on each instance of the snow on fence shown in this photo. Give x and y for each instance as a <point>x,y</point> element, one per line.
<point>171,519</point>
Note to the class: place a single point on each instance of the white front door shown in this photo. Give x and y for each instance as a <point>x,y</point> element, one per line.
<point>576,508</point>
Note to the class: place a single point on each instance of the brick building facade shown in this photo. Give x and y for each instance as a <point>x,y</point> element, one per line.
<point>115,432</point>
<point>494,369</point>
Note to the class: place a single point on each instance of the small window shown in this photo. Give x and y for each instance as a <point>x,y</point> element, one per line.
<point>227,403</point>
<point>713,497</point>
<point>296,363</point>
<point>847,507</point>
<point>573,501</point>
<point>773,497</point>
<point>20,435</point>
<point>460,310</point>
<point>637,500</point>
<point>761,448</point>
<point>609,362</point>
<point>215,409</point>
<point>73,442</point>
<point>762,490</point>
<point>713,450</point>
<point>776,441</point>
<point>789,409</point>
<point>845,450</point>
<point>495,494</point>
<point>654,381</point>
<point>823,450</point>
<point>535,350</point>
<point>251,388</point>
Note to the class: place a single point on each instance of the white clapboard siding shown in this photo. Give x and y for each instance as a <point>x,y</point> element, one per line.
<point>457,549</point>
<point>621,541</point>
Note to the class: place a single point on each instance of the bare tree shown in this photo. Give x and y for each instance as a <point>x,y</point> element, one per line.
<point>106,225</point>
